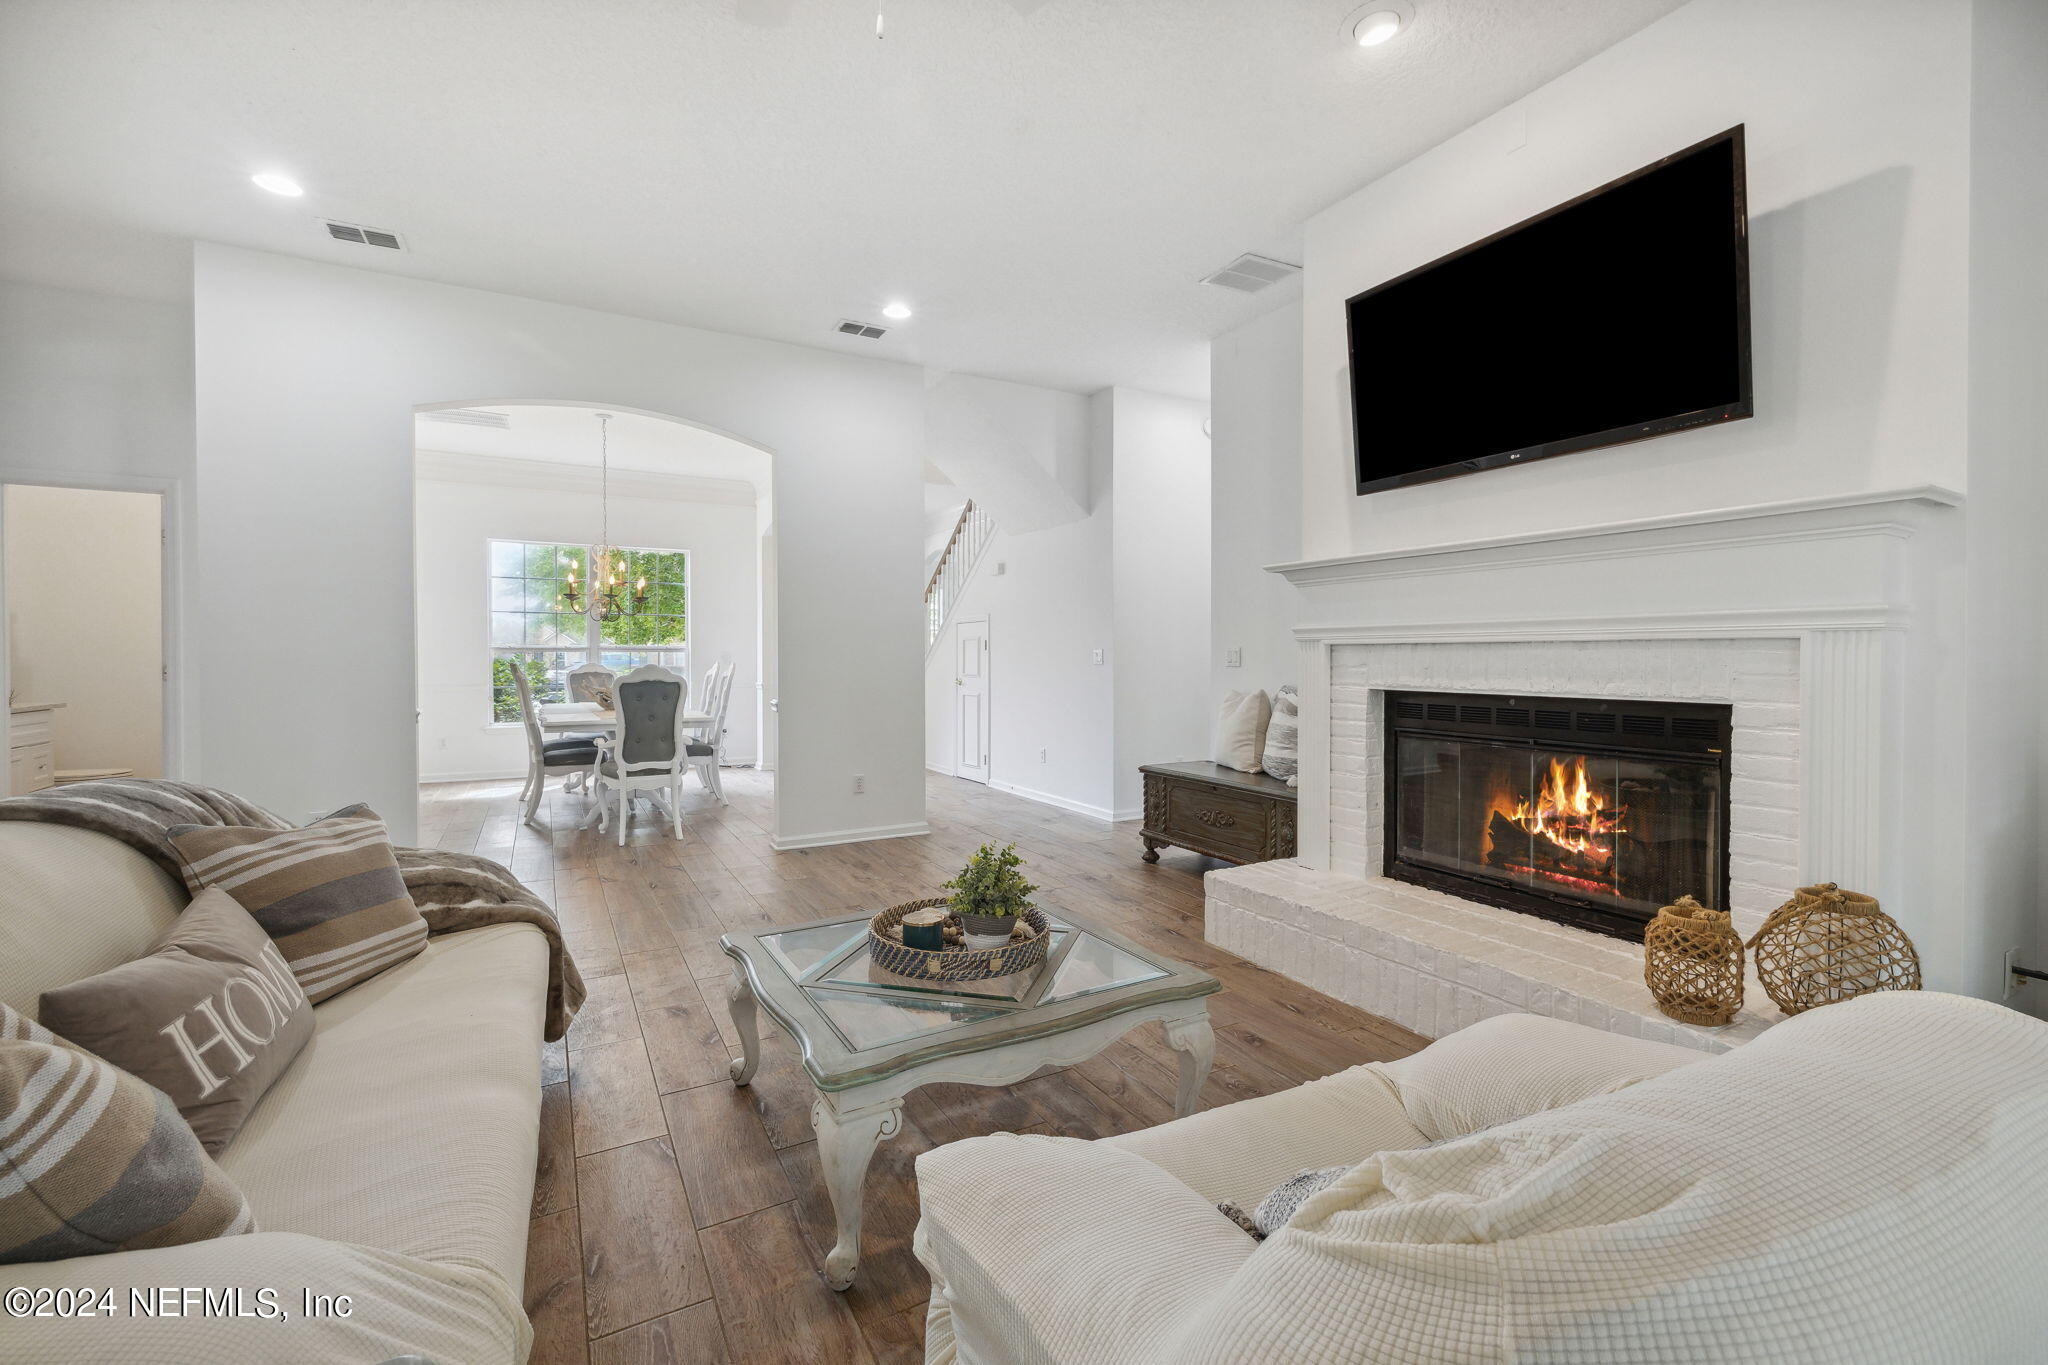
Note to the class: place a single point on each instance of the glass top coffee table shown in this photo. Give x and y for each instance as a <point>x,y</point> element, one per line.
<point>869,1037</point>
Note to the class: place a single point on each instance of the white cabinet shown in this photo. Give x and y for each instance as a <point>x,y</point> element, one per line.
<point>31,748</point>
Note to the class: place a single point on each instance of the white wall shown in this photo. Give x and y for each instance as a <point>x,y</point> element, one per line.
<point>1161,568</point>
<point>96,390</point>
<point>1047,611</point>
<point>85,620</point>
<point>454,522</point>
<point>2007,564</point>
<point>307,378</point>
<point>1254,501</point>
<point>1858,126</point>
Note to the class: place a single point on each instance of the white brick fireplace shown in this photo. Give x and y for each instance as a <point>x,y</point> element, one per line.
<point>1799,616</point>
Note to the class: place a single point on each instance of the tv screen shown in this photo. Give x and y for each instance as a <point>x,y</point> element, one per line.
<point>1620,315</point>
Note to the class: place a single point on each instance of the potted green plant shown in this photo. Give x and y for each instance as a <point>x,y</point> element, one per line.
<point>989,895</point>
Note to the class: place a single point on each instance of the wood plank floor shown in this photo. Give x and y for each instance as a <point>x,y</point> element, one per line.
<point>678,1218</point>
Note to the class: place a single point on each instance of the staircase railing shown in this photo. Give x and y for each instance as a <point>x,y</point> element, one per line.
<point>971,535</point>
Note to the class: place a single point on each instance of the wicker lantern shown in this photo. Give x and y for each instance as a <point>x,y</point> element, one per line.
<point>1692,963</point>
<point>1827,944</point>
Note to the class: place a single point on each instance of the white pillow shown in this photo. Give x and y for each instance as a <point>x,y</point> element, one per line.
<point>1241,730</point>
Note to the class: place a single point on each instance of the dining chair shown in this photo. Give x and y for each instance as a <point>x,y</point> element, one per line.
<point>572,754</point>
<point>707,751</point>
<point>649,750</point>
<point>587,680</point>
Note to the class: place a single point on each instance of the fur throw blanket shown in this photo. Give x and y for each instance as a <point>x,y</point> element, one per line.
<point>454,891</point>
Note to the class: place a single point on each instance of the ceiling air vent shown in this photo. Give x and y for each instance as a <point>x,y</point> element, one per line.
<point>1248,274</point>
<point>471,417</point>
<point>363,236</point>
<point>860,329</point>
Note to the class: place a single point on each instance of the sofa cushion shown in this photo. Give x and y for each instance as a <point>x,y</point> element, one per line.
<point>1513,1065</point>
<point>1238,1153</point>
<point>331,893</point>
<point>411,1121</point>
<point>210,1017</point>
<point>92,1160</point>
<point>73,903</point>
<point>1055,1249</point>
<point>1865,1182</point>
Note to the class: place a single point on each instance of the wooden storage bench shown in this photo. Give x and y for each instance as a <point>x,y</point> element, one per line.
<point>1208,808</point>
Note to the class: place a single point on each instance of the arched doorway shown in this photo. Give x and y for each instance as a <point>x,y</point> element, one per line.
<point>508,497</point>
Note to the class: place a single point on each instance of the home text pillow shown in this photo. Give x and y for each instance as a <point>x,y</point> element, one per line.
<point>330,894</point>
<point>211,1017</point>
<point>1241,730</point>
<point>1283,734</point>
<point>93,1160</point>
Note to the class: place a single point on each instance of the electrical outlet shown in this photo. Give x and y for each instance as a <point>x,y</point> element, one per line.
<point>2010,985</point>
<point>1094,656</point>
<point>1041,755</point>
<point>860,785</point>
<point>1000,569</point>
<point>1234,659</point>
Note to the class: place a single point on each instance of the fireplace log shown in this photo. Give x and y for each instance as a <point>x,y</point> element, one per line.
<point>1510,843</point>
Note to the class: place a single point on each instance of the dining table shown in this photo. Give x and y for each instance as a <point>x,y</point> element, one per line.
<point>587,717</point>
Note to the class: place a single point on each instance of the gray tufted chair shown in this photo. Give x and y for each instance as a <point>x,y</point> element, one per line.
<point>649,751</point>
<point>572,754</point>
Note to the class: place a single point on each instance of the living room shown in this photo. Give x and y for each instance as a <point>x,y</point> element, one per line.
<point>1465,784</point>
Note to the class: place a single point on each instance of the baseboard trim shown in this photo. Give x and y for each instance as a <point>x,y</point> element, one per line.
<point>849,836</point>
<point>1102,813</point>
<point>492,775</point>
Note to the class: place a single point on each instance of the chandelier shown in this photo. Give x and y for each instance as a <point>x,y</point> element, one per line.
<point>603,595</point>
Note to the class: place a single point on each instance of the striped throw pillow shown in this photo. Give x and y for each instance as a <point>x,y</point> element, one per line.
<point>93,1160</point>
<point>1283,734</point>
<point>330,895</point>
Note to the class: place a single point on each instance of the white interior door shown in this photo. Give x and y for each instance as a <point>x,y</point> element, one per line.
<point>970,698</point>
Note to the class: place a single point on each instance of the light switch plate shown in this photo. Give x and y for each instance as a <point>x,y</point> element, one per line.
<point>1234,659</point>
<point>1094,656</point>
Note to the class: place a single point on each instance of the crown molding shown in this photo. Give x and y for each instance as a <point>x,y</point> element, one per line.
<point>447,466</point>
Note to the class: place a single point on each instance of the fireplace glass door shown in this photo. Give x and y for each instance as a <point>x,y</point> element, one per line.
<point>1598,829</point>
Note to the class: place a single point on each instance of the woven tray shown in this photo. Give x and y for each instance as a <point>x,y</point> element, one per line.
<point>1025,950</point>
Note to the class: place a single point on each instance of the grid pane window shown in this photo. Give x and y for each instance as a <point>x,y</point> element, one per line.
<point>532,629</point>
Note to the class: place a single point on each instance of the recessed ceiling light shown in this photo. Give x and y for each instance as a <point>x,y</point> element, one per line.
<point>278,184</point>
<point>1377,27</point>
<point>896,311</point>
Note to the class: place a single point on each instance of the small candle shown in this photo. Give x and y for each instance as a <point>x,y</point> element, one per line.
<point>925,929</point>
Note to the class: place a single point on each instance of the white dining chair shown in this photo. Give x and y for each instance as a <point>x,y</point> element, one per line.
<point>707,751</point>
<point>571,754</point>
<point>586,681</point>
<point>649,750</point>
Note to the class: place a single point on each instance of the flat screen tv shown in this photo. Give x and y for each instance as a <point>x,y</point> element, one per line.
<point>1620,315</point>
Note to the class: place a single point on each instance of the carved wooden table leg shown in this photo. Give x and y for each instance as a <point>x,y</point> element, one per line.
<point>846,1143</point>
<point>739,998</point>
<point>1195,1041</point>
<point>1152,847</point>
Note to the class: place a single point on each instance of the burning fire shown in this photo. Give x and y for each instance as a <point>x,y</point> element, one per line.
<point>1565,831</point>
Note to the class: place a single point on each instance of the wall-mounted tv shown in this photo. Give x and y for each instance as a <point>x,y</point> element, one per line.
<point>1620,315</point>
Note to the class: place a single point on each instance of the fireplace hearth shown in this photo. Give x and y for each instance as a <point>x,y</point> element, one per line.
<point>1585,811</point>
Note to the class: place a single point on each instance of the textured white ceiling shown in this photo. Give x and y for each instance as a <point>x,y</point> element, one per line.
<point>1045,180</point>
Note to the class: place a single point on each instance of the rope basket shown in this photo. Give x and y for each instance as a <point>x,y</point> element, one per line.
<point>1827,944</point>
<point>1692,963</point>
<point>955,962</point>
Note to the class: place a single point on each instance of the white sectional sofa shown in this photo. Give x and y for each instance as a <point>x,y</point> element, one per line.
<point>393,1163</point>
<point>1867,1182</point>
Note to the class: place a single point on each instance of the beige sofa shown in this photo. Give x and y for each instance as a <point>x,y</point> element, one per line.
<point>1865,1182</point>
<point>393,1163</point>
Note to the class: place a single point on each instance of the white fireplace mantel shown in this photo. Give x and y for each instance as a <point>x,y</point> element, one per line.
<point>1837,575</point>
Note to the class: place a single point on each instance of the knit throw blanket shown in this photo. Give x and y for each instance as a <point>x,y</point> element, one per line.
<point>454,891</point>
